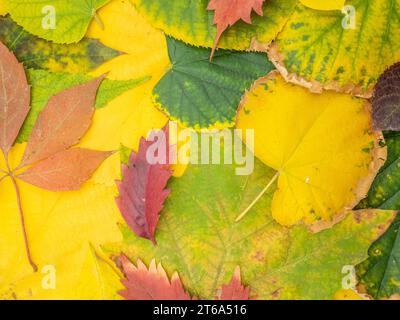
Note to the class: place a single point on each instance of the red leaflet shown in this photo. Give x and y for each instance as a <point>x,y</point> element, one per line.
<point>150,284</point>
<point>66,170</point>
<point>228,12</point>
<point>63,122</point>
<point>142,190</point>
<point>14,98</point>
<point>235,290</point>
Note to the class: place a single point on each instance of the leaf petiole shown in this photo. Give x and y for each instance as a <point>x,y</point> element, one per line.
<point>241,216</point>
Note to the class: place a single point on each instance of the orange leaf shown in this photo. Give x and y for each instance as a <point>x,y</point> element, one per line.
<point>14,98</point>
<point>235,290</point>
<point>66,170</point>
<point>63,122</point>
<point>150,284</point>
<point>228,12</point>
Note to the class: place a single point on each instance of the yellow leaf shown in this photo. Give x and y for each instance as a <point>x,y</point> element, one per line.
<point>322,146</point>
<point>324,4</point>
<point>65,230</point>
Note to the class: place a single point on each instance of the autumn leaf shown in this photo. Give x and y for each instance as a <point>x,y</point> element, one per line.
<point>183,83</point>
<point>38,53</point>
<point>66,170</point>
<point>386,100</point>
<point>142,190</point>
<point>14,99</point>
<point>200,94</point>
<point>151,283</point>
<point>228,12</point>
<point>379,274</point>
<point>197,29</point>
<point>60,125</point>
<point>234,290</point>
<point>198,237</point>
<point>323,168</point>
<point>61,22</point>
<point>346,53</point>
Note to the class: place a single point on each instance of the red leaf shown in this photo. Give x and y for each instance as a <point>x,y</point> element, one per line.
<point>66,170</point>
<point>150,284</point>
<point>142,190</point>
<point>235,290</point>
<point>14,98</point>
<point>63,122</point>
<point>228,12</point>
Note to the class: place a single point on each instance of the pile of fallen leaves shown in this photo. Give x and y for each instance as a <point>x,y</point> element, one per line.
<point>85,215</point>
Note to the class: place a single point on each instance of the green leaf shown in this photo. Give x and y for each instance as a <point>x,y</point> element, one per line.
<point>315,46</point>
<point>385,190</point>
<point>37,53</point>
<point>380,273</point>
<point>202,94</point>
<point>46,84</point>
<point>72,17</point>
<point>191,22</point>
<point>198,237</point>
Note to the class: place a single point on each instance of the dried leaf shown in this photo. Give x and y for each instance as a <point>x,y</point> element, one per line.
<point>142,190</point>
<point>66,170</point>
<point>386,100</point>
<point>14,98</point>
<point>228,12</point>
<point>151,283</point>
<point>63,122</point>
<point>235,290</point>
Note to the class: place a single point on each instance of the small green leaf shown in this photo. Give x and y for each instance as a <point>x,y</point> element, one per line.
<point>58,20</point>
<point>37,53</point>
<point>46,84</point>
<point>201,94</point>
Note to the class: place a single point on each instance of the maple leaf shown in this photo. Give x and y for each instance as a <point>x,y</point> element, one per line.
<point>142,189</point>
<point>234,290</point>
<point>151,283</point>
<point>65,119</point>
<point>228,12</point>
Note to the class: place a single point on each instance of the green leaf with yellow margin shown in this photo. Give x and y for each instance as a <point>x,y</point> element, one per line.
<point>191,22</point>
<point>71,18</point>
<point>197,235</point>
<point>201,94</point>
<point>322,146</point>
<point>38,53</point>
<point>315,50</point>
<point>379,275</point>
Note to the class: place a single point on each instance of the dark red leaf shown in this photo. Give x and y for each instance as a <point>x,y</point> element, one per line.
<point>142,190</point>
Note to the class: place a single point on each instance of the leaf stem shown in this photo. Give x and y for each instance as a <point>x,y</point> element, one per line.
<point>21,213</point>
<point>240,217</point>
